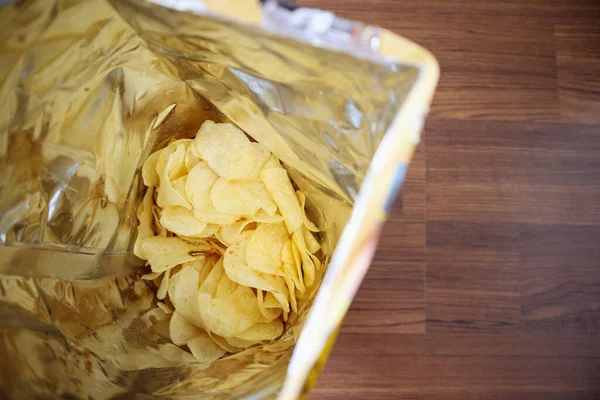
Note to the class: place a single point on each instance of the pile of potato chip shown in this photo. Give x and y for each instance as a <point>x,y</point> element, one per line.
<point>227,238</point>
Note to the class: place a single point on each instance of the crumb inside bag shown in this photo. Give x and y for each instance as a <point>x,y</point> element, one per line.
<point>227,239</point>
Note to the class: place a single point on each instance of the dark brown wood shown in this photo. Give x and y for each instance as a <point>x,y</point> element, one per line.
<point>486,283</point>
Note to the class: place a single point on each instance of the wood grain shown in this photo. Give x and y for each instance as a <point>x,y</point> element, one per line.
<point>486,283</point>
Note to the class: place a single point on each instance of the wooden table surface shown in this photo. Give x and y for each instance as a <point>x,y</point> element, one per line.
<point>486,284</point>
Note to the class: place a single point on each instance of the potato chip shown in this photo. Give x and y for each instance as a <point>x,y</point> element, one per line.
<point>292,265</point>
<point>262,216</point>
<point>293,295</point>
<point>236,268</point>
<point>149,174</point>
<point>280,188</point>
<point>198,187</point>
<point>263,251</point>
<point>202,265</point>
<point>221,342</point>
<point>230,234</point>
<point>272,162</point>
<point>241,197</point>
<point>260,154</point>
<point>191,160</point>
<point>263,331</point>
<point>311,243</point>
<point>241,343</point>
<point>268,312</point>
<point>211,282</point>
<point>163,253</point>
<point>226,149</point>
<point>169,195</point>
<point>205,349</point>
<point>181,221</point>
<point>308,266</point>
<point>164,285</point>
<point>165,307</point>
<point>231,316</point>
<point>183,294</point>
<point>302,199</point>
<point>145,217</point>
<point>151,276</point>
<point>225,287</point>
<point>181,331</point>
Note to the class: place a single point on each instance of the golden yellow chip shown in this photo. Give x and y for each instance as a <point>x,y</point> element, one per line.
<point>199,183</point>
<point>225,148</point>
<point>280,188</point>
<point>191,160</point>
<point>236,268</point>
<point>145,217</point>
<point>164,285</point>
<point>231,316</point>
<point>205,349</point>
<point>211,282</point>
<point>263,251</point>
<point>241,197</point>
<point>263,331</point>
<point>149,174</point>
<point>302,199</point>
<point>230,234</point>
<point>226,287</point>
<point>311,243</point>
<point>181,331</point>
<point>168,194</point>
<point>163,253</point>
<point>183,293</point>
<point>221,342</point>
<point>269,312</point>
<point>181,221</point>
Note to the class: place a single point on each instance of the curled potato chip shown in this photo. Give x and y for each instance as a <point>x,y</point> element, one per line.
<point>230,316</point>
<point>311,243</point>
<point>236,268</point>
<point>270,309</point>
<point>145,217</point>
<point>230,233</point>
<point>263,331</point>
<point>211,282</point>
<point>165,307</point>
<point>224,344</point>
<point>260,155</point>
<point>241,343</point>
<point>204,348</point>
<point>302,199</point>
<point>181,331</point>
<point>183,294</point>
<point>241,197</point>
<point>171,195</point>
<point>164,285</point>
<point>225,148</point>
<point>293,296</point>
<point>263,251</point>
<point>199,183</point>
<point>149,174</point>
<point>308,266</point>
<point>280,188</point>
<point>225,287</point>
<point>181,221</point>
<point>163,253</point>
<point>190,159</point>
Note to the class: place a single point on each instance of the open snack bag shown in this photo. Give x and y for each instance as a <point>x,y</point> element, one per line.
<point>191,192</point>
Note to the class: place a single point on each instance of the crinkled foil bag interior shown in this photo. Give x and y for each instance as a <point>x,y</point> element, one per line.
<point>88,89</point>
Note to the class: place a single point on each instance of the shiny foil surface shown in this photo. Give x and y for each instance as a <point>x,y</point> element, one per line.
<point>88,89</point>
